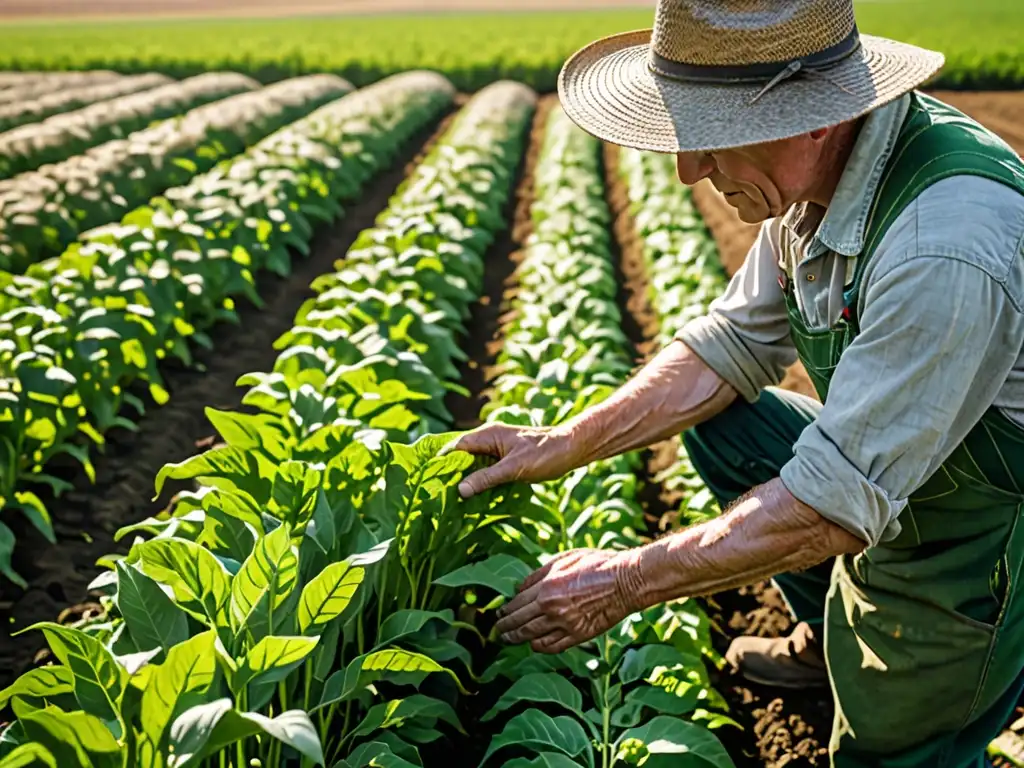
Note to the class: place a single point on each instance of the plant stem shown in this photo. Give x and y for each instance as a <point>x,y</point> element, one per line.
<point>606,708</point>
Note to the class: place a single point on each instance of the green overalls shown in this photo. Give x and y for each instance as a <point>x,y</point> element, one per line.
<point>924,635</point>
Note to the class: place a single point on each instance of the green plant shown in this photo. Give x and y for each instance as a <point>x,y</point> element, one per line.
<point>77,331</point>
<point>44,211</point>
<point>15,113</point>
<point>55,138</point>
<point>313,557</point>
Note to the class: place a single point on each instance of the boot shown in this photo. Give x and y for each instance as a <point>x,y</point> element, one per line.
<point>786,662</point>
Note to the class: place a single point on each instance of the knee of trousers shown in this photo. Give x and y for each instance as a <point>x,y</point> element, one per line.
<point>748,443</point>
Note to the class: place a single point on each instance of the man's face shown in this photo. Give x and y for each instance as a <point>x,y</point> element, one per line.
<point>760,181</point>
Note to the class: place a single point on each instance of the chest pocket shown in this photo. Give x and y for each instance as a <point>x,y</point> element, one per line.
<point>817,305</point>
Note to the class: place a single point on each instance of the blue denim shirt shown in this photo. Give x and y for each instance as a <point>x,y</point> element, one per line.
<point>942,329</point>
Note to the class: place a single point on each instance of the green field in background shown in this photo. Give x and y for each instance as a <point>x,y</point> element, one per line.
<point>982,40</point>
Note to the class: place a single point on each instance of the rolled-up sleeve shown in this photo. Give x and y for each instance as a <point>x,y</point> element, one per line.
<point>744,337</point>
<point>938,338</point>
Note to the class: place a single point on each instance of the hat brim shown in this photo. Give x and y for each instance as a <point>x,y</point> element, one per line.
<point>609,91</point>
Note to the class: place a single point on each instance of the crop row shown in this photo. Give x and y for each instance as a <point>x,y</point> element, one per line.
<point>17,113</point>
<point>77,331</point>
<point>21,78</point>
<point>292,607</point>
<point>14,84</point>
<point>43,211</point>
<point>622,698</point>
<point>685,275</point>
<point>55,138</point>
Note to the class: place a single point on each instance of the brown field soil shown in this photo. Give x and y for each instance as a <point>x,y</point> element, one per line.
<point>86,518</point>
<point>123,9</point>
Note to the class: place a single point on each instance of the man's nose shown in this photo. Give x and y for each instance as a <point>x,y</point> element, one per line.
<point>691,167</point>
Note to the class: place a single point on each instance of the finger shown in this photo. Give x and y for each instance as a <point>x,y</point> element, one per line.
<point>482,440</point>
<point>531,630</point>
<point>521,600</point>
<point>558,643</point>
<point>527,613</point>
<point>537,575</point>
<point>486,478</point>
<point>547,643</point>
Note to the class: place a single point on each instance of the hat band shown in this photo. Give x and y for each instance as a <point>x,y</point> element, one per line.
<point>752,73</point>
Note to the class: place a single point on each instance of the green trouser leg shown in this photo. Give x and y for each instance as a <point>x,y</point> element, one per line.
<point>917,684</point>
<point>746,445</point>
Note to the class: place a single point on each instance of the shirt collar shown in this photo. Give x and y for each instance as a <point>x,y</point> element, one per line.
<point>842,228</point>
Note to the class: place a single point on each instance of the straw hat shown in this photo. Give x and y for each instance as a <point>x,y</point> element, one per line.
<point>715,74</point>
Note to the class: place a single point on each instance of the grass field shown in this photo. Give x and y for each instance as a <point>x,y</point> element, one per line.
<point>984,51</point>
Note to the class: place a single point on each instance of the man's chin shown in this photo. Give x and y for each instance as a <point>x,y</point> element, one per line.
<point>748,214</point>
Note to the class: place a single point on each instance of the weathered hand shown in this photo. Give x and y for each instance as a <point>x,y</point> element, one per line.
<point>527,454</point>
<point>573,598</point>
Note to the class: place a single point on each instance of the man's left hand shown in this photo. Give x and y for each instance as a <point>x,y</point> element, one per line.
<point>573,598</point>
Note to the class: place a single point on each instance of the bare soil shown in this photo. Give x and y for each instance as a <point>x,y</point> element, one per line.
<point>86,518</point>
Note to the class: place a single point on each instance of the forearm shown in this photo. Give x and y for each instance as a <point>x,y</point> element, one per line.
<point>673,392</point>
<point>765,533</point>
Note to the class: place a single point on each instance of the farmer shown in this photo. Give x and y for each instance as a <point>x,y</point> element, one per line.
<point>890,261</point>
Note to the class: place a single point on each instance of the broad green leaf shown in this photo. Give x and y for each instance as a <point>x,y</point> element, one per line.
<point>98,679</point>
<point>40,683</point>
<point>675,743</point>
<point>264,582</point>
<point>207,728</point>
<point>73,738</point>
<point>7,541</point>
<point>295,492</point>
<point>534,729</point>
<point>259,431</point>
<point>502,573</point>
<point>637,663</point>
<point>682,701</point>
<point>539,687</point>
<point>153,620</point>
<point>272,658</point>
<point>327,595</point>
<point>29,755</point>
<point>712,720</point>
<point>36,512</point>
<point>375,753</point>
<point>133,663</point>
<point>177,684</point>
<point>543,760</point>
<point>397,712</point>
<point>199,581</point>
<point>371,667</point>
<point>404,623</point>
<point>227,467</point>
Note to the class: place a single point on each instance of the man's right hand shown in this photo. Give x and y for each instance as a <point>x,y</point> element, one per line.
<point>526,454</point>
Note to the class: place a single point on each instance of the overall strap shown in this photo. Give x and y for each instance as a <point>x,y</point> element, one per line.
<point>935,143</point>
